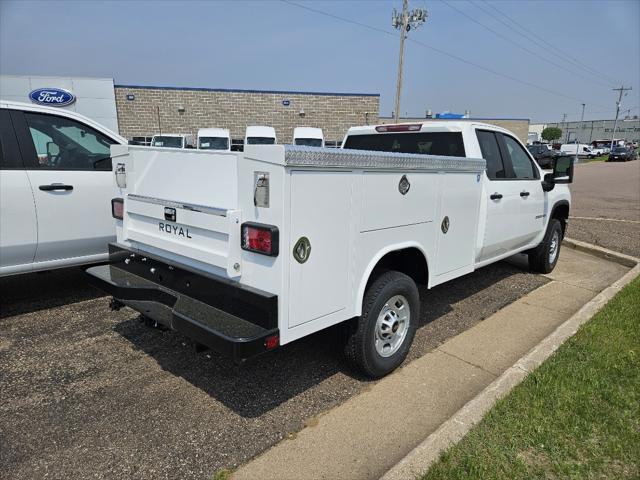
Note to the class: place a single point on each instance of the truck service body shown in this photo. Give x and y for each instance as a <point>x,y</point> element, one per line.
<point>245,251</point>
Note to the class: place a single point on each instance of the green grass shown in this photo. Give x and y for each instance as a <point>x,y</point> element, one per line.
<point>577,416</point>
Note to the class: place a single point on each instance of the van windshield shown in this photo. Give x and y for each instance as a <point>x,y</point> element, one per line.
<point>426,143</point>
<point>171,142</point>
<point>213,143</point>
<point>309,142</point>
<point>261,141</point>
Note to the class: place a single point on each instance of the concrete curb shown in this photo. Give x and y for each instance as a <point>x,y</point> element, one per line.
<point>455,428</point>
<point>621,258</point>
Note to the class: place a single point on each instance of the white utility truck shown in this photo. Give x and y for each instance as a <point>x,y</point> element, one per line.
<point>244,252</point>
<point>259,135</point>
<point>214,139</point>
<point>172,140</point>
<point>308,136</point>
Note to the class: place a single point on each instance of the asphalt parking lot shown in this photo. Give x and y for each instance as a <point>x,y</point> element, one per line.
<point>606,205</point>
<point>90,393</point>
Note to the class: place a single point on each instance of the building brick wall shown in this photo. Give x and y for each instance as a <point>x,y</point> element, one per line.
<point>235,110</point>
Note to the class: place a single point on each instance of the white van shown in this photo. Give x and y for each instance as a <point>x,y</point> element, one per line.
<point>259,135</point>
<point>308,136</point>
<point>214,139</point>
<point>584,150</point>
<point>172,140</point>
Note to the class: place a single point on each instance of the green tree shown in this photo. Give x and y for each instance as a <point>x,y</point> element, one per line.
<point>551,133</point>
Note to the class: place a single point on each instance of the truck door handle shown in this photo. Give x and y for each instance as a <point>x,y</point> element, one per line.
<point>55,186</point>
<point>495,196</point>
<point>524,194</point>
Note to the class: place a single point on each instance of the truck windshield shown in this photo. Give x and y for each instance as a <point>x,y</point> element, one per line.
<point>172,142</point>
<point>261,141</point>
<point>619,150</point>
<point>427,143</point>
<point>213,143</point>
<point>308,142</point>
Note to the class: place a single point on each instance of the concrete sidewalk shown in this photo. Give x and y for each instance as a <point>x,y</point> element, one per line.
<point>367,435</point>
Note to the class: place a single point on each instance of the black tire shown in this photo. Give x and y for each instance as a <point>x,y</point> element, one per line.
<point>541,259</point>
<point>360,343</point>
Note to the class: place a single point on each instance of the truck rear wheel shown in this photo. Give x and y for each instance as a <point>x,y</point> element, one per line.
<point>544,257</point>
<point>379,340</point>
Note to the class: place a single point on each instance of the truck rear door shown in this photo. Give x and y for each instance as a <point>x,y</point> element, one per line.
<point>184,203</point>
<point>18,231</point>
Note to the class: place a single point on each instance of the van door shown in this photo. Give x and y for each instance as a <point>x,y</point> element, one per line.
<point>526,178</point>
<point>18,226</point>
<point>69,165</point>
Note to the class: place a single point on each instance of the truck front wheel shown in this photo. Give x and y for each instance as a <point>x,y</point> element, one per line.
<point>544,257</point>
<point>379,340</point>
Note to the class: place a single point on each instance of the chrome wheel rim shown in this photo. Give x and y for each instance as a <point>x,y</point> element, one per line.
<point>554,247</point>
<point>392,325</point>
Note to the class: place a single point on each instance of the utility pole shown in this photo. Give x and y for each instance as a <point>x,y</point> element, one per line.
<point>622,89</point>
<point>580,127</point>
<point>566,137</point>
<point>405,21</point>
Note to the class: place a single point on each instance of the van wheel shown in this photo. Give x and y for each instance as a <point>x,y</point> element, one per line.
<point>544,257</point>
<point>379,340</point>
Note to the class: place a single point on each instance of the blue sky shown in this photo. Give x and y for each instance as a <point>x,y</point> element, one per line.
<point>276,45</point>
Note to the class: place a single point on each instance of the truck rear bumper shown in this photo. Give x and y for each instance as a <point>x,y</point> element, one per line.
<point>233,319</point>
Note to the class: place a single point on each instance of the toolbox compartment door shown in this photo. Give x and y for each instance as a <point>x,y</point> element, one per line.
<point>321,204</point>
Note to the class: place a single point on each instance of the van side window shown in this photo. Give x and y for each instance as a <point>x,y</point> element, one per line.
<point>520,161</point>
<point>65,144</point>
<point>491,153</point>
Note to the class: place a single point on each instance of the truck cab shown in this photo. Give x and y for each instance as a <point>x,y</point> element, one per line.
<point>172,140</point>
<point>308,136</point>
<point>214,139</point>
<point>260,135</point>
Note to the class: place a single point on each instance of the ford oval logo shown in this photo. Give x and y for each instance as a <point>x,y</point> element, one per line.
<point>55,97</point>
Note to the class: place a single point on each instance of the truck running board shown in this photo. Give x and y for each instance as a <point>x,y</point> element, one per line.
<point>205,324</point>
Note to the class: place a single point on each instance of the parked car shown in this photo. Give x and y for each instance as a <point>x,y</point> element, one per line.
<point>621,154</point>
<point>311,137</point>
<point>583,150</point>
<point>260,135</point>
<point>250,251</point>
<point>541,154</point>
<point>56,185</point>
<point>173,140</point>
<point>214,139</point>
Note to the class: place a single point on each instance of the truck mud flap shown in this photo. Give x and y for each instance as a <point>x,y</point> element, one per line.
<point>206,324</point>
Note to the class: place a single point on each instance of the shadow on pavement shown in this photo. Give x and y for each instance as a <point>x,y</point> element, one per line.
<point>262,384</point>
<point>31,292</point>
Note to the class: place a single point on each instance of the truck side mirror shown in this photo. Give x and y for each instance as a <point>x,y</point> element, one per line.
<point>562,173</point>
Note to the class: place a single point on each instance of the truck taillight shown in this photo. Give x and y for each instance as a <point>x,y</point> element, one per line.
<point>260,238</point>
<point>399,128</point>
<point>117,208</point>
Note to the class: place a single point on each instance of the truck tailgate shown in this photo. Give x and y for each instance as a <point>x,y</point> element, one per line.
<point>184,202</point>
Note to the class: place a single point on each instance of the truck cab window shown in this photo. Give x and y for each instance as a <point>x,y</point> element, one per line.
<point>491,153</point>
<point>426,143</point>
<point>520,161</point>
<point>65,144</point>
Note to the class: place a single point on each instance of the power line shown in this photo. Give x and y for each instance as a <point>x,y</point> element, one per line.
<point>522,47</point>
<point>569,57</point>
<point>435,49</point>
